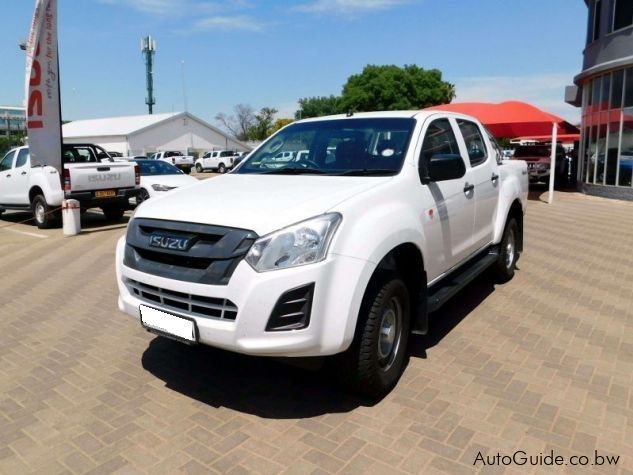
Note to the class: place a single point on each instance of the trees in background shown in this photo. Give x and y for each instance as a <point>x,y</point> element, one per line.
<point>376,88</point>
<point>383,88</point>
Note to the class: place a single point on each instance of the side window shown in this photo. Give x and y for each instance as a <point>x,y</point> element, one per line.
<point>206,155</point>
<point>439,140</point>
<point>23,156</point>
<point>475,144</point>
<point>7,161</point>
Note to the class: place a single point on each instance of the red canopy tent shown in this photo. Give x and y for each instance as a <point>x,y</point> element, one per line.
<point>514,119</point>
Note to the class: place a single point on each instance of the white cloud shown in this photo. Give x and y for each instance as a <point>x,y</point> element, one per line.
<point>228,23</point>
<point>337,6</point>
<point>546,91</point>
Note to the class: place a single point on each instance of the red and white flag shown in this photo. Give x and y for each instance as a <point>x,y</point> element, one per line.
<point>43,118</point>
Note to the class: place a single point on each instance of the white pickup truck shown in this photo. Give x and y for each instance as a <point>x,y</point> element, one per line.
<point>177,159</point>
<point>340,254</point>
<point>90,176</point>
<point>216,160</point>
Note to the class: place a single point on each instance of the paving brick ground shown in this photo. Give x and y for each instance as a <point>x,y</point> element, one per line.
<point>542,363</point>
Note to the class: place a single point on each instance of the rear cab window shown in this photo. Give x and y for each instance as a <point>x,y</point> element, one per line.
<point>23,157</point>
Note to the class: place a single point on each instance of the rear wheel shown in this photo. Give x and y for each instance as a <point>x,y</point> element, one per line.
<point>221,168</point>
<point>187,170</point>
<point>113,212</point>
<point>43,214</point>
<point>377,357</point>
<point>508,253</point>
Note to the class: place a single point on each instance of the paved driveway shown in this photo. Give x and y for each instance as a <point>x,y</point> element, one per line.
<point>542,363</point>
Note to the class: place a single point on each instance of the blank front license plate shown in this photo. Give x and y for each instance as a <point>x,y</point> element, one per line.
<point>168,324</point>
<point>105,194</point>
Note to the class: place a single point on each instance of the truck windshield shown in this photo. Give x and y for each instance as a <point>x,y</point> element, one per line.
<point>335,147</point>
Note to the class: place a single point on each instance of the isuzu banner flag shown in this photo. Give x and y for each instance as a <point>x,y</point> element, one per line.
<point>42,87</point>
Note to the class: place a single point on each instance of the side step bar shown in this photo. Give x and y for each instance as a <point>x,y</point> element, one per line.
<point>440,293</point>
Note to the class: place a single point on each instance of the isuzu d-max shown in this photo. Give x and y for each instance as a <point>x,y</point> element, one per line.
<point>341,253</point>
<point>89,176</point>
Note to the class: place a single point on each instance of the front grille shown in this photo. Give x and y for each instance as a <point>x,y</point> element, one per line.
<point>197,305</point>
<point>210,255</point>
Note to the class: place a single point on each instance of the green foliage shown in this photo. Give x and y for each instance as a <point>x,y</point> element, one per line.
<point>383,88</point>
<point>318,106</point>
<point>10,141</point>
<point>263,124</point>
<point>395,88</point>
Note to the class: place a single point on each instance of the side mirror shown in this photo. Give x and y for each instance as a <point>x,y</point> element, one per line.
<point>443,167</point>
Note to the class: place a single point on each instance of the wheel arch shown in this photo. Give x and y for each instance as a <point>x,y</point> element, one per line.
<point>34,191</point>
<point>406,259</point>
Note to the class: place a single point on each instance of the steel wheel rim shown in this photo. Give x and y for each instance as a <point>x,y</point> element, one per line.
<point>389,333</point>
<point>40,212</point>
<point>510,250</point>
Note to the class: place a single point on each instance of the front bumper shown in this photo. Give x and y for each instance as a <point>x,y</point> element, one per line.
<point>339,284</point>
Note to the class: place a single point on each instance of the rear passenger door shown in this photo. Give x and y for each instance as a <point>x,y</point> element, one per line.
<point>485,179</point>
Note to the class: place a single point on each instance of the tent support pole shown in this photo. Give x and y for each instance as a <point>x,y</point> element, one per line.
<point>552,168</point>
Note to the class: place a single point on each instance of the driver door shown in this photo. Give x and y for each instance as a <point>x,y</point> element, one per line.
<point>448,209</point>
<point>6,166</point>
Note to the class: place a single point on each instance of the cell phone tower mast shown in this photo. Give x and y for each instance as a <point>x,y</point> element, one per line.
<point>148,47</point>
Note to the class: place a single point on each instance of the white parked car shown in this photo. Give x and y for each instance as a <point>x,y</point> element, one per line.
<point>158,177</point>
<point>90,176</point>
<point>216,160</point>
<point>341,254</point>
<point>177,159</point>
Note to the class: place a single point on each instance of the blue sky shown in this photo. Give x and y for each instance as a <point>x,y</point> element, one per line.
<point>271,53</point>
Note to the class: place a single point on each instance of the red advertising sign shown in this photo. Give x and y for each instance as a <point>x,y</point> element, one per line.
<point>43,120</point>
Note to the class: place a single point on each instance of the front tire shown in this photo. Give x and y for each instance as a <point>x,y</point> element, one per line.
<point>42,213</point>
<point>143,195</point>
<point>198,168</point>
<point>508,252</point>
<point>374,363</point>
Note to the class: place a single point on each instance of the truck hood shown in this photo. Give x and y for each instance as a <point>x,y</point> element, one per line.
<point>260,203</point>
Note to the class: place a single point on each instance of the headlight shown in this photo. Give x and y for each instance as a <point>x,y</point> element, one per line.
<point>303,243</point>
<point>158,187</point>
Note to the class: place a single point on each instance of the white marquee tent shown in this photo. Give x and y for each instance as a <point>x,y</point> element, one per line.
<point>144,134</point>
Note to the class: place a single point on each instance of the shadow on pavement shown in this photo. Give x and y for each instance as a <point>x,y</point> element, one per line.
<point>264,387</point>
<point>451,314</point>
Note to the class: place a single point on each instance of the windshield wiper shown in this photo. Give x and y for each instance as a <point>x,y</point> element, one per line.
<point>368,172</point>
<point>294,171</point>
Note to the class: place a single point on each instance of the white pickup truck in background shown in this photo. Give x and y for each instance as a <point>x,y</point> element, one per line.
<point>177,159</point>
<point>216,160</point>
<point>341,253</point>
<point>89,176</point>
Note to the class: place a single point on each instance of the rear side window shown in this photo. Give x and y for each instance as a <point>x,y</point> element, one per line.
<point>23,156</point>
<point>439,140</point>
<point>475,144</point>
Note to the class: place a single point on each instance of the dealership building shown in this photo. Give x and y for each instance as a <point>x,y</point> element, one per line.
<point>604,90</point>
<point>12,120</point>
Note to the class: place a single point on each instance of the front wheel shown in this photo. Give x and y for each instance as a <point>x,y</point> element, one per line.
<point>377,357</point>
<point>198,168</point>
<point>143,195</point>
<point>508,252</point>
<point>221,168</point>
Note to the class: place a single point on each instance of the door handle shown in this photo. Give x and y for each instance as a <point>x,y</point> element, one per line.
<point>494,177</point>
<point>468,188</point>
<point>9,176</point>
<point>23,173</point>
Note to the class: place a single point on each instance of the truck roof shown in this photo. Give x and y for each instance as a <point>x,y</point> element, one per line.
<point>405,114</point>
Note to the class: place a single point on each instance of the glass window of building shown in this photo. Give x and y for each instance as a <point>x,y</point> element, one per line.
<point>622,14</point>
<point>625,174</point>
<point>617,87</point>
<point>628,88</point>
